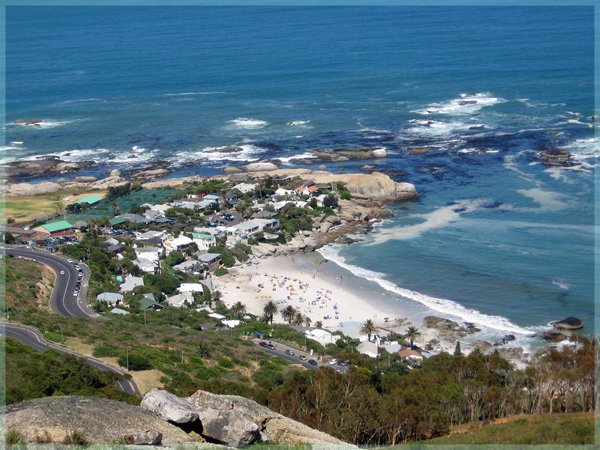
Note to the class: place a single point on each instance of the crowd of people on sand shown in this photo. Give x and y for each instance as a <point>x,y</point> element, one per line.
<point>289,290</point>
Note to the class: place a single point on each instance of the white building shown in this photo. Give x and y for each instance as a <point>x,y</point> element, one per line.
<point>323,337</point>
<point>110,298</point>
<point>150,253</point>
<point>189,266</point>
<point>204,240</point>
<point>131,283</point>
<point>192,287</point>
<point>181,300</point>
<point>177,243</point>
<point>287,193</point>
<point>146,265</point>
<point>368,348</point>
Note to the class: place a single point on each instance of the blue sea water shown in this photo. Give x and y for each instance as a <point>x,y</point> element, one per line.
<point>495,238</point>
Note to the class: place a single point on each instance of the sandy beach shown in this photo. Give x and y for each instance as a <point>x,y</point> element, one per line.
<point>304,284</point>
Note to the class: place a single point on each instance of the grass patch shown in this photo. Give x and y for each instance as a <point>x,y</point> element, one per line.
<point>555,429</point>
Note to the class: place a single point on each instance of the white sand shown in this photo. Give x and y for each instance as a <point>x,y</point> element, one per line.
<point>312,291</point>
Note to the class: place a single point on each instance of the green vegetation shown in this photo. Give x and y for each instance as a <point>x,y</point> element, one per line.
<point>555,429</point>
<point>374,404</point>
<point>31,374</point>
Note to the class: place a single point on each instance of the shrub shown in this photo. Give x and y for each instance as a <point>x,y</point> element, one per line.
<point>75,437</point>
<point>221,271</point>
<point>13,437</point>
<point>136,362</point>
<point>103,350</point>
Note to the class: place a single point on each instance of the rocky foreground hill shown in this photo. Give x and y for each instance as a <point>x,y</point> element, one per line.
<point>201,420</point>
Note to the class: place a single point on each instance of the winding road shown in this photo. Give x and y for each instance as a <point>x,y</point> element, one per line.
<point>64,303</point>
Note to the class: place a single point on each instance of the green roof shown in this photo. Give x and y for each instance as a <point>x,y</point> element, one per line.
<point>201,236</point>
<point>117,220</point>
<point>89,199</point>
<point>53,227</point>
<point>146,303</point>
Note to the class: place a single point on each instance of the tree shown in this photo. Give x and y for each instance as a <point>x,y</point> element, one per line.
<point>368,328</point>
<point>457,351</point>
<point>238,309</point>
<point>307,321</point>
<point>289,313</point>
<point>412,333</point>
<point>269,311</point>
<point>298,319</point>
<point>319,324</point>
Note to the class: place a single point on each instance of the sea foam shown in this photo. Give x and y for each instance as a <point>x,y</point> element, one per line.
<point>465,104</point>
<point>248,124</point>
<point>442,305</point>
<point>438,218</point>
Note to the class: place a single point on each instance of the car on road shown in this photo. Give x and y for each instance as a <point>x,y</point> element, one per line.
<point>62,272</point>
<point>289,352</point>
<point>333,362</point>
<point>75,293</point>
<point>312,362</point>
<point>70,261</point>
<point>263,344</point>
<point>302,357</point>
<point>271,347</point>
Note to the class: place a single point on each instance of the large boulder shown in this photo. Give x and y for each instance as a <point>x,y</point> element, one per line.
<point>101,421</point>
<point>569,323</point>
<point>272,426</point>
<point>260,167</point>
<point>169,407</point>
<point>45,187</point>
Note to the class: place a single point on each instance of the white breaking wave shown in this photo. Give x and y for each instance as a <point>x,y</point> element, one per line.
<point>247,153</point>
<point>299,123</point>
<point>583,149</point>
<point>248,124</point>
<point>183,94</point>
<point>442,305</point>
<point>561,284</point>
<point>45,123</point>
<point>465,104</point>
<point>439,218</point>
<point>287,159</point>
<point>437,128</point>
<point>88,154</point>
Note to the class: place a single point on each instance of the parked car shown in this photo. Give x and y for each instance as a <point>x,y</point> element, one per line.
<point>289,352</point>
<point>333,362</point>
<point>302,357</point>
<point>312,362</point>
<point>345,363</point>
<point>62,272</point>
<point>263,344</point>
<point>75,293</point>
<point>271,347</point>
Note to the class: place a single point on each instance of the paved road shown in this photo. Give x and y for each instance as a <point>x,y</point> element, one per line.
<point>64,303</point>
<point>32,337</point>
<point>280,351</point>
<point>62,300</point>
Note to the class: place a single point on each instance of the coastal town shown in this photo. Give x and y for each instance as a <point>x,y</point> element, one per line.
<point>232,240</point>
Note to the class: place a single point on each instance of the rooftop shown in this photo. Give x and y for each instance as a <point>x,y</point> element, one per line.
<point>89,199</point>
<point>53,227</point>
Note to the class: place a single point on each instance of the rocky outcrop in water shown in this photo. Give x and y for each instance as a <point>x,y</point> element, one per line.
<point>569,323</point>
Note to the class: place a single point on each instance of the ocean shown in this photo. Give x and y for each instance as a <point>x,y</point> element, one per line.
<point>495,238</point>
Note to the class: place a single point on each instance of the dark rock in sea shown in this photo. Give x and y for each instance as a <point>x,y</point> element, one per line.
<point>569,323</point>
<point>439,323</point>
<point>470,328</point>
<point>556,157</point>
<point>505,339</point>
<point>34,122</point>
<point>554,336</point>
<point>420,150</point>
